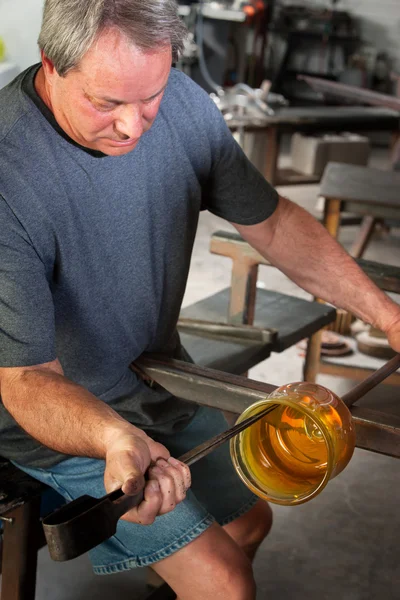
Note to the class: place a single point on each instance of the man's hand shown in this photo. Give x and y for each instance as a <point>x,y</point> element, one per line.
<point>69,419</point>
<point>127,459</point>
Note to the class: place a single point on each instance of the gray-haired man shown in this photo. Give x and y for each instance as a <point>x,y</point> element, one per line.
<point>95,250</point>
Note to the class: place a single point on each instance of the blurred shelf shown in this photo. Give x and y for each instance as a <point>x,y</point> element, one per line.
<point>211,12</point>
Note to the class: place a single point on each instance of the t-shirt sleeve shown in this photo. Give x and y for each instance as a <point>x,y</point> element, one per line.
<point>235,190</point>
<point>27,330</point>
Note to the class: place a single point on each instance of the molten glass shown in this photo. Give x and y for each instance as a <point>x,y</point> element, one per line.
<point>289,455</point>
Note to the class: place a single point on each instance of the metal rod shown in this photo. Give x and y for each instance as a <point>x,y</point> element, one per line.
<point>352,92</point>
<point>189,458</point>
<point>371,381</point>
<point>376,431</point>
<point>239,332</point>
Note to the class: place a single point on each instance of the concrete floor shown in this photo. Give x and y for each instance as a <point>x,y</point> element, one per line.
<point>345,544</point>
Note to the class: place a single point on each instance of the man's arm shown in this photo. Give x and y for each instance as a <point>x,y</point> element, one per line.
<point>292,240</point>
<point>69,419</point>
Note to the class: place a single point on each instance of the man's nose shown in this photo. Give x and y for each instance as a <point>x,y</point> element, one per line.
<point>129,123</point>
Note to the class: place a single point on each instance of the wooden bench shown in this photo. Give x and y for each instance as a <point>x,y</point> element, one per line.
<point>243,303</point>
<point>372,194</point>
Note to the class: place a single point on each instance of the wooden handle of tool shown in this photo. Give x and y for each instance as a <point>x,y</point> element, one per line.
<point>372,381</point>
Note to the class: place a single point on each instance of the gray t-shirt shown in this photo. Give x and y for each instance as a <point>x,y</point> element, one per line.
<point>95,250</point>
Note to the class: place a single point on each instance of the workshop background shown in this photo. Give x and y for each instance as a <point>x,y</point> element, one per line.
<point>345,544</point>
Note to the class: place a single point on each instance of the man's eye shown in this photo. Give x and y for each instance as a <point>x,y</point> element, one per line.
<point>105,107</point>
<point>150,100</point>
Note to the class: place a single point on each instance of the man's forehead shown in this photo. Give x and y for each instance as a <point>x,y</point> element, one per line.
<point>100,95</point>
<point>113,49</point>
<point>127,70</point>
<point>120,90</point>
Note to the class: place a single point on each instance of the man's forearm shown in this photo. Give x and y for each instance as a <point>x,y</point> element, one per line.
<point>60,414</point>
<point>302,248</point>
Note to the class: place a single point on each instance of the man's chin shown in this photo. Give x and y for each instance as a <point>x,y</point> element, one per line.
<point>112,148</point>
<point>116,151</point>
<point>115,148</point>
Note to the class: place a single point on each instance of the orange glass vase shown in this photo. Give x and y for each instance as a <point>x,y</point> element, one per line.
<point>289,456</point>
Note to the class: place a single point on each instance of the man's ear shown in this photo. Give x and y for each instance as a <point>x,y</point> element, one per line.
<point>48,65</point>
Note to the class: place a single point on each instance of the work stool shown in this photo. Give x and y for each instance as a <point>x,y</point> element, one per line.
<point>374,195</point>
<point>20,505</point>
<point>23,501</point>
<point>243,304</point>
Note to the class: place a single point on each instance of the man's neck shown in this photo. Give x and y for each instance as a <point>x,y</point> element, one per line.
<point>40,87</point>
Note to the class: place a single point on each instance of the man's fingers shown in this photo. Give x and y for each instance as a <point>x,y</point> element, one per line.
<point>185,472</point>
<point>147,510</point>
<point>126,469</point>
<point>157,451</point>
<point>167,486</point>
<point>174,480</point>
<point>133,483</point>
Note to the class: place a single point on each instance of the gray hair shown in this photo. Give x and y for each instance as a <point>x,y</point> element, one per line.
<point>70,27</point>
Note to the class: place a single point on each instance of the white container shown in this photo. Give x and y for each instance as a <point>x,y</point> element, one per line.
<point>310,154</point>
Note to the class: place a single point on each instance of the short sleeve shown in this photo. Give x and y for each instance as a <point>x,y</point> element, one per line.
<point>27,329</point>
<point>235,190</point>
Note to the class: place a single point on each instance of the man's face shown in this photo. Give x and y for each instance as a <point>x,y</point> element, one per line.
<point>113,97</point>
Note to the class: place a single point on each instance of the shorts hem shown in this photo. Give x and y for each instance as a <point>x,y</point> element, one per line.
<point>145,561</point>
<point>238,513</point>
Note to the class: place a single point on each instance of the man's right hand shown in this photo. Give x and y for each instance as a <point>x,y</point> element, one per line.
<point>129,454</point>
<point>67,418</point>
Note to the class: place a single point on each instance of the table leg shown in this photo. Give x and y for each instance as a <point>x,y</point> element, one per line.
<point>332,215</point>
<point>273,146</point>
<point>243,293</point>
<point>363,237</point>
<point>311,362</point>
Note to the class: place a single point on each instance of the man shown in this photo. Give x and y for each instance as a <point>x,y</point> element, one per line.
<point>107,157</point>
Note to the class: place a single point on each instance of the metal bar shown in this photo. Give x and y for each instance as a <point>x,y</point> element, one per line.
<point>205,386</point>
<point>371,381</point>
<point>377,432</point>
<point>352,92</point>
<point>192,456</point>
<point>241,333</point>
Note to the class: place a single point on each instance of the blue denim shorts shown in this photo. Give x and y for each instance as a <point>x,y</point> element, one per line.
<point>217,494</point>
